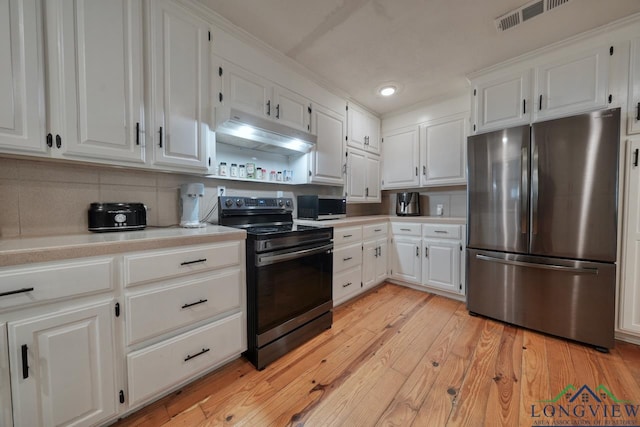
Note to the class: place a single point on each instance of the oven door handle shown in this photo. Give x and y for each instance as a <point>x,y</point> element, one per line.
<point>267,259</point>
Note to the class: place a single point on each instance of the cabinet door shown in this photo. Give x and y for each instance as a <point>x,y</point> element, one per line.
<point>95,78</point>
<point>62,367</point>
<point>502,102</point>
<point>373,134</point>
<point>400,159</point>
<point>21,77</point>
<point>369,263</point>
<point>634,88</point>
<point>572,84</point>
<point>630,298</point>
<point>245,91</point>
<point>327,157</point>
<point>441,265</point>
<point>6,419</point>
<point>382,261</point>
<point>443,153</point>
<point>406,259</point>
<point>372,190</point>
<point>357,126</point>
<point>291,109</point>
<point>181,57</point>
<point>356,175</point>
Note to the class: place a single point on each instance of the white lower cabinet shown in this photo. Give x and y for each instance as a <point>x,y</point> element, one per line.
<point>406,258</point>
<point>630,287</point>
<point>157,368</point>
<point>347,263</point>
<point>346,284</point>
<point>374,254</point>
<point>63,367</point>
<point>6,419</point>
<point>441,265</point>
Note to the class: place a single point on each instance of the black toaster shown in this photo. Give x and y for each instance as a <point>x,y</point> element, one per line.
<point>117,216</point>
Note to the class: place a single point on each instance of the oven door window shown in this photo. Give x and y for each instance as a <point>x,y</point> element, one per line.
<point>291,286</point>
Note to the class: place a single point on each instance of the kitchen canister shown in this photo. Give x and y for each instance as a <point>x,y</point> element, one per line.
<point>234,170</point>
<point>258,173</point>
<point>242,172</point>
<point>251,170</point>
<point>223,169</point>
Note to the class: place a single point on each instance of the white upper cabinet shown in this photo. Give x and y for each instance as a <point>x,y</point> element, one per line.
<point>502,101</point>
<point>363,129</point>
<point>21,78</point>
<point>443,152</point>
<point>400,157</point>
<point>251,93</point>
<point>94,52</point>
<point>572,84</point>
<point>363,177</point>
<point>180,73</point>
<point>326,160</point>
<point>633,124</point>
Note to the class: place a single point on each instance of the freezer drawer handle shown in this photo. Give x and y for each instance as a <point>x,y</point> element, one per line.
<point>16,291</point>
<point>536,265</point>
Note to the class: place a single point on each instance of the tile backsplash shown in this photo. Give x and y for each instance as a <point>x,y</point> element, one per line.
<point>44,197</point>
<point>453,200</point>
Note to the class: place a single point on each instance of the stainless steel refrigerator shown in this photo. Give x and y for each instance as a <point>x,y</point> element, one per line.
<point>542,226</point>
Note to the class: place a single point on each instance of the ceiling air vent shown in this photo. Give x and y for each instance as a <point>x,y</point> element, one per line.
<point>526,12</point>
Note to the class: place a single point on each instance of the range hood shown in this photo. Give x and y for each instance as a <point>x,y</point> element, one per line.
<point>235,127</point>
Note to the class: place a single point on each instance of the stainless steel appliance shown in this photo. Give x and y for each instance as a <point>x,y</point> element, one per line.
<point>542,226</point>
<point>117,216</point>
<point>289,275</point>
<point>321,207</point>
<point>408,204</point>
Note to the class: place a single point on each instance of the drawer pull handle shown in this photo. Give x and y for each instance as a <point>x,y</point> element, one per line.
<point>347,258</point>
<point>25,362</point>
<point>347,235</point>
<point>405,229</point>
<point>189,357</point>
<point>202,301</point>
<point>194,261</point>
<point>17,291</point>
<point>441,231</point>
<point>377,230</point>
<point>347,284</point>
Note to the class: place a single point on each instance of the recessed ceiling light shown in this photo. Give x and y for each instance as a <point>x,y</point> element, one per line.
<point>387,90</point>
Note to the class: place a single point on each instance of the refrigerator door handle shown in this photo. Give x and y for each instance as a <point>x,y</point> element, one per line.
<point>524,189</point>
<point>577,270</point>
<point>534,190</point>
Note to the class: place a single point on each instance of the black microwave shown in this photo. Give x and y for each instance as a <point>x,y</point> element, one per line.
<point>321,207</point>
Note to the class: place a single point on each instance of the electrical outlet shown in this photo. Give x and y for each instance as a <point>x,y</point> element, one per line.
<point>222,191</point>
<point>439,209</point>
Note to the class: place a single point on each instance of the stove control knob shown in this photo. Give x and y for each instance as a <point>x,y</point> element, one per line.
<point>280,203</point>
<point>239,202</point>
<point>228,203</point>
<point>288,203</point>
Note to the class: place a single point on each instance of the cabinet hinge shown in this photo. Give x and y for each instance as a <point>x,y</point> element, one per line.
<point>611,51</point>
<point>474,127</point>
<point>220,71</point>
<point>121,396</point>
<point>610,98</point>
<point>117,309</point>
<point>220,97</point>
<point>209,35</point>
<point>474,92</point>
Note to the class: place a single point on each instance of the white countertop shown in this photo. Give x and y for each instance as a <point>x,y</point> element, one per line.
<point>370,219</point>
<point>26,250</point>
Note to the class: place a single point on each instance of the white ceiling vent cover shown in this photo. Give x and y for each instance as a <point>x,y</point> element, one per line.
<point>526,12</point>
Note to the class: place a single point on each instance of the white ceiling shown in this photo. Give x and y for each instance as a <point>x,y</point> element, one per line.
<point>425,46</point>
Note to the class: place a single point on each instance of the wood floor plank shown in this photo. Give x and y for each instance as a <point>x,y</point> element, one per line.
<point>398,357</point>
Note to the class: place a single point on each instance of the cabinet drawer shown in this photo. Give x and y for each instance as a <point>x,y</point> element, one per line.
<point>405,228</point>
<point>347,257</point>
<point>346,283</point>
<point>162,310</point>
<point>346,235</point>
<point>374,231</point>
<point>23,286</point>
<point>150,266</point>
<point>442,231</point>
<point>155,369</point>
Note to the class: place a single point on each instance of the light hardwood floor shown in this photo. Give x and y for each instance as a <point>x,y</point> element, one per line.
<point>400,357</point>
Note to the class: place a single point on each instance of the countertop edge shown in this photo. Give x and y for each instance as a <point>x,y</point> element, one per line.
<point>363,220</point>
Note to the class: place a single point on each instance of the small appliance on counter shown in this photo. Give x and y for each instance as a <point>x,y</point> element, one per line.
<point>117,217</point>
<point>321,207</point>
<point>190,195</point>
<point>408,204</point>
